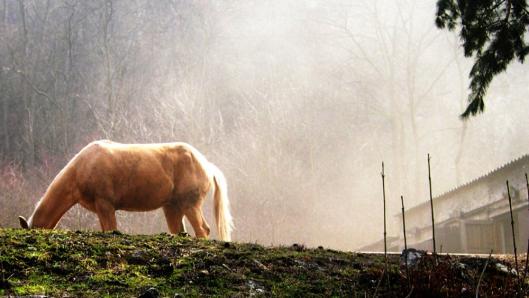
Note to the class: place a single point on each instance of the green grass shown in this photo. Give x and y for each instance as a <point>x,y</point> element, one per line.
<point>93,264</point>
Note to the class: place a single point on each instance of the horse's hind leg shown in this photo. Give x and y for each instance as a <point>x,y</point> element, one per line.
<point>196,218</point>
<point>205,225</point>
<point>107,215</point>
<point>175,219</point>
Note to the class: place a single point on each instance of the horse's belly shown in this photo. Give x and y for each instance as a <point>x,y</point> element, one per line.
<point>144,192</point>
<point>141,205</point>
<point>147,200</point>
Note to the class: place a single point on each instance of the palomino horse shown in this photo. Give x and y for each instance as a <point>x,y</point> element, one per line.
<point>106,176</point>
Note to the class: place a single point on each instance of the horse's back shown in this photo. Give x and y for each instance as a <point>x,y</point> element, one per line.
<point>137,176</point>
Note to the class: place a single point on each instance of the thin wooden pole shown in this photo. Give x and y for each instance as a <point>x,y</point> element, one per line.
<point>512,228</point>
<point>527,184</point>
<point>527,253</point>
<point>431,206</point>
<point>405,242</point>
<point>384,200</point>
<point>404,223</point>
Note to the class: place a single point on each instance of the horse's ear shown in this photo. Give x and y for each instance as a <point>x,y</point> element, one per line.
<point>23,222</point>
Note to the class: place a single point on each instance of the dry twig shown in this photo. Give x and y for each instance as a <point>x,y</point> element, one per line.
<point>482,273</point>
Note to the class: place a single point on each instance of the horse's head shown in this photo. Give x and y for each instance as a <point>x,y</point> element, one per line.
<point>23,222</point>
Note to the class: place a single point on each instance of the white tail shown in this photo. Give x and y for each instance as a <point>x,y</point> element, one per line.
<point>221,205</point>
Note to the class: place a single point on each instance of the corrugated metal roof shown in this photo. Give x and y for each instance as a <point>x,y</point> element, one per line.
<point>427,203</point>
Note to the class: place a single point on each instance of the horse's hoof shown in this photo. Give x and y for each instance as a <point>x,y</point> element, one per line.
<point>183,234</point>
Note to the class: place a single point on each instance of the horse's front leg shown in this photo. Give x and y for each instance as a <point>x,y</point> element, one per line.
<point>106,214</point>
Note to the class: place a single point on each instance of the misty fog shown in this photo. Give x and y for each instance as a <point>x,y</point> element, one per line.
<point>297,102</point>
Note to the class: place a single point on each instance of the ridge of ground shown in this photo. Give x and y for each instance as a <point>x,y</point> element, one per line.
<point>62,263</point>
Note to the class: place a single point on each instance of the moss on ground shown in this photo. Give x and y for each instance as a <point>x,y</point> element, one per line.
<point>89,264</point>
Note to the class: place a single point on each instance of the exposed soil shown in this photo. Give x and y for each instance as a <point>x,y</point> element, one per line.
<point>91,264</point>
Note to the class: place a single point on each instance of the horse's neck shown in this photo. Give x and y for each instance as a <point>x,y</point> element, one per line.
<point>58,199</point>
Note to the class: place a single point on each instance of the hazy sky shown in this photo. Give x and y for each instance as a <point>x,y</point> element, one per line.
<point>384,54</point>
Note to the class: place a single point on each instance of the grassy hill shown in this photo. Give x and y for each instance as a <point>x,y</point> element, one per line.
<point>92,264</point>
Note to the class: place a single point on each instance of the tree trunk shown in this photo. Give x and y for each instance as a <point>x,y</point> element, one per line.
<point>29,158</point>
<point>462,95</point>
<point>5,100</point>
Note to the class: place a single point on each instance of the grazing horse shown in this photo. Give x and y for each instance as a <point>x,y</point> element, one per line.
<point>106,176</point>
